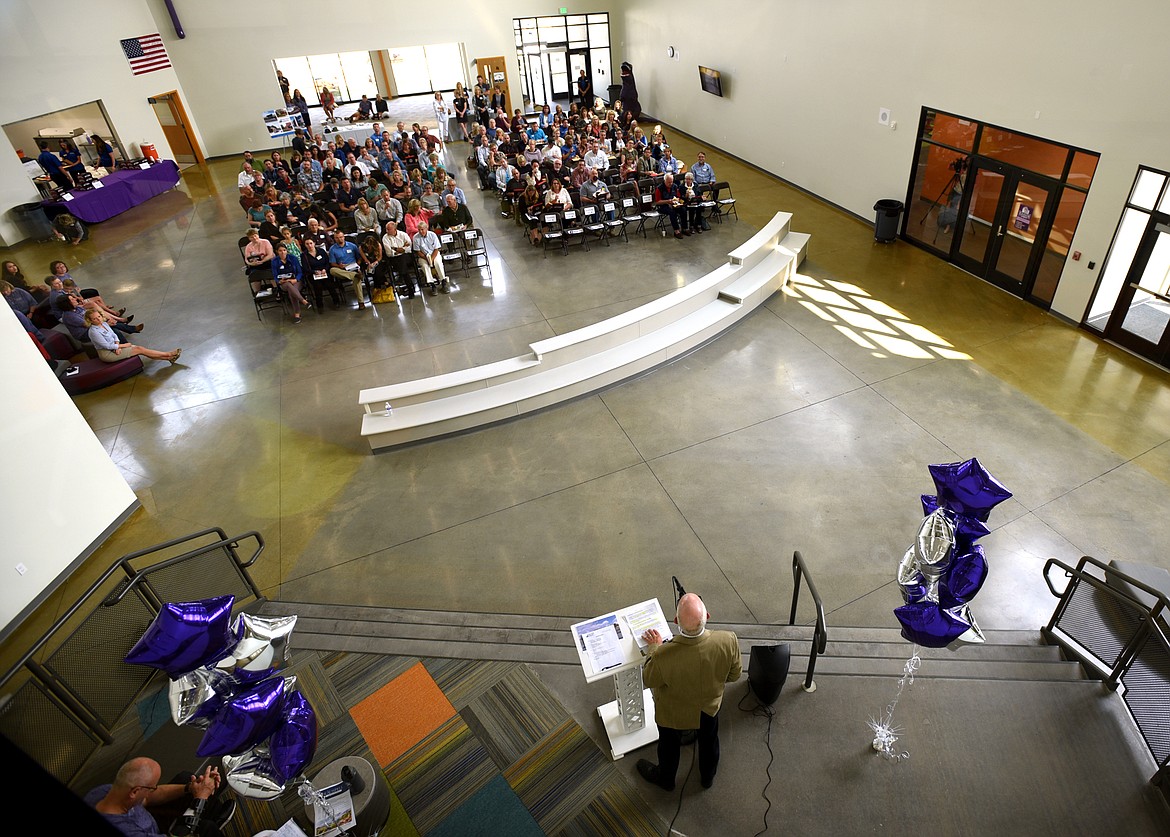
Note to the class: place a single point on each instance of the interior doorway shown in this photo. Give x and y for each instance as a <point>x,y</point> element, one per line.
<point>1006,216</point>
<point>998,203</point>
<point>172,116</point>
<point>495,71</point>
<point>1140,320</point>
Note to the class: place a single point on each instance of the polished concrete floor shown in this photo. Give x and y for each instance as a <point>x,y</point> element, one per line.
<point>807,427</point>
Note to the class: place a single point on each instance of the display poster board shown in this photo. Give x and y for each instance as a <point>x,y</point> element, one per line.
<point>282,122</point>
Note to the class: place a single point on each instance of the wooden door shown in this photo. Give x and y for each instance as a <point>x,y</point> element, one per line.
<point>176,127</point>
<point>495,70</point>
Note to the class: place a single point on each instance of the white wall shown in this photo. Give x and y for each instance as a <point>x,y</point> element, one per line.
<point>226,60</point>
<point>61,493</point>
<point>55,54</point>
<point>805,80</point>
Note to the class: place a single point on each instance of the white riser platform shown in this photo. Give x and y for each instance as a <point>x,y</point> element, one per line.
<point>590,358</point>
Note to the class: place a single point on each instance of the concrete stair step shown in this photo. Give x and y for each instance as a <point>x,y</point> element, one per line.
<point>852,651</point>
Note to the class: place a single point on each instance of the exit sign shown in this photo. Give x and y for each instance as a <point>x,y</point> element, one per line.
<point>564,10</point>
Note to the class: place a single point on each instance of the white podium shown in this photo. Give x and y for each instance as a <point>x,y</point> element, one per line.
<point>608,646</point>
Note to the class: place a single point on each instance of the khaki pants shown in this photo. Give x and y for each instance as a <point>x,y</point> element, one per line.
<point>432,272</point>
<point>354,276</point>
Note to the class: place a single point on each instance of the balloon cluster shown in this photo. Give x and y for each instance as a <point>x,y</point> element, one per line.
<point>225,680</point>
<point>944,568</point>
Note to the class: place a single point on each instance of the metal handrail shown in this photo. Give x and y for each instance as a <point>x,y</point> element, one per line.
<point>136,577</point>
<point>1149,613</point>
<point>820,632</point>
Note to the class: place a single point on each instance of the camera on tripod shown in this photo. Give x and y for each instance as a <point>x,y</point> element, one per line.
<point>959,165</point>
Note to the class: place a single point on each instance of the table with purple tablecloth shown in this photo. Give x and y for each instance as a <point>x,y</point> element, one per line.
<point>120,190</point>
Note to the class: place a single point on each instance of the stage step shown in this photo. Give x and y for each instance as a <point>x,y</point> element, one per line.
<point>852,651</point>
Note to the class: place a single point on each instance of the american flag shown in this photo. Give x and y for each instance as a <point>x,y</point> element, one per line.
<point>146,54</point>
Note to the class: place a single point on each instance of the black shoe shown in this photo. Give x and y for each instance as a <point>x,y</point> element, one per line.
<point>129,319</point>
<point>223,817</point>
<point>707,783</point>
<point>686,232</point>
<point>649,771</point>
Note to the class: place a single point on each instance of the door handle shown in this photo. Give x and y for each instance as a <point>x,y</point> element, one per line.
<point>999,232</point>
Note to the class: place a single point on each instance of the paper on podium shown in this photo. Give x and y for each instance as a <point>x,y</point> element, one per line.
<point>644,617</point>
<point>607,644</point>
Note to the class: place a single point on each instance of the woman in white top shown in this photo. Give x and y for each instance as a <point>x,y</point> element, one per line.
<point>441,114</point>
<point>111,350</point>
<point>558,197</point>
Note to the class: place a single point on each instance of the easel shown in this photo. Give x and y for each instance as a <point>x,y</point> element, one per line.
<point>954,188</point>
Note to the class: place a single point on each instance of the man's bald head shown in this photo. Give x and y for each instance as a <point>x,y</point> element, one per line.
<point>691,615</point>
<point>141,772</point>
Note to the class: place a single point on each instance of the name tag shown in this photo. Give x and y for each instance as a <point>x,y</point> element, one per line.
<point>67,197</point>
<point>144,165</point>
<point>97,184</point>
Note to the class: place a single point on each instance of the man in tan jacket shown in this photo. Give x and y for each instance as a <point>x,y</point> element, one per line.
<point>687,677</point>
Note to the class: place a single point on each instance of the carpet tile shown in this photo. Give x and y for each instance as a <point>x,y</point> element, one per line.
<point>400,714</point>
<point>440,773</point>
<point>493,811</point>
<point>560,775</point>
<point>514,714</point>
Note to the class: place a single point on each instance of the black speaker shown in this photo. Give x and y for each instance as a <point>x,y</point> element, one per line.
<point>767,671</point>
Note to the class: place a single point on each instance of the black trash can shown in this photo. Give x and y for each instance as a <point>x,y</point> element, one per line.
<point>31,219</point>
<point>613,91</point>
<point>885,225</point>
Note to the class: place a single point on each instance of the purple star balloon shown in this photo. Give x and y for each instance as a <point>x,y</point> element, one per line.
<point>185,636</point>
<point>245,720</point>
<point>963,578</point>
<point>967,488</point>
<point>295,741</point>
<point>929,625</point>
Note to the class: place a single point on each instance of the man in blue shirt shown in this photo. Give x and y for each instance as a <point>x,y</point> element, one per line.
<point>704,176</point>
<point>669,164</point>
<point>535,133</point>
<point>52,167</point>
<point>138,784</point>
<point>453,189</point>
<point>365,109</point>
<point>702,171</point>
<point>343,265</point>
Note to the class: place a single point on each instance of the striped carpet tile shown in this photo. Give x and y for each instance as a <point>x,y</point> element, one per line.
<point>559,776</point>
<point>513,715</point>
<point>440,773</point>
<point>356,676</point>
<point>464,680</point>
<point>616,812</point>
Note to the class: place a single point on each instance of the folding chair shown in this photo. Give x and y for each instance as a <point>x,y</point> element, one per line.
<point>551,232</point>
<point>451,252</point>
<point>649,213</point>
<point>708,194</point>
<point>632,213</point>
<point>592,223</point>
<point>727,204</point>
<point>474,249</point>
<point>265,293</point>
<point>615,222</point>
<point>571,227</point>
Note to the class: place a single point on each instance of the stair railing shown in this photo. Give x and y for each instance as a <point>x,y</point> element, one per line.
<point>70,688</point>
<point>820,632</point>
<point>1115,625</point>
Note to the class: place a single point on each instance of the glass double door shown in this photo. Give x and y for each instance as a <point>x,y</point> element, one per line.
<point>1141,317</point>
<point>1004,217</point>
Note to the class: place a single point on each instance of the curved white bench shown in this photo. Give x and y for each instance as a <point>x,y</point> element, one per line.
<point>589,358</point>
